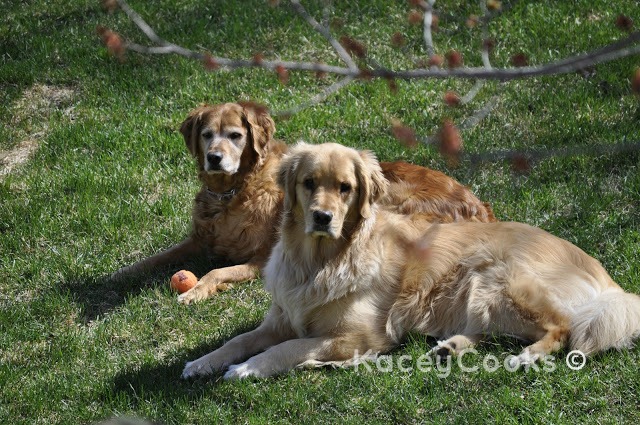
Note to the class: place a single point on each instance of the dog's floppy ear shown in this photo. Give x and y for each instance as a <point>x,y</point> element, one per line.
<point>190,129</point>
<point>372,183</point>
<point>287,176</point>
<point>260,125</point>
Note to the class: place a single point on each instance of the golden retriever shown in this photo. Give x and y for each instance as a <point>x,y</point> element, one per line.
<point>236,212</point>
<point>346,277</point>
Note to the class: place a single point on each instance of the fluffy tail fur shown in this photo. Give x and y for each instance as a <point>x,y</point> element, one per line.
<point>611,320</point>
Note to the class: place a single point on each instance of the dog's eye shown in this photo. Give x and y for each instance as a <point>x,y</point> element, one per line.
<point>308,184</point>
<point>345,188</point>
<point>208,134</point>
<point>235,135</point>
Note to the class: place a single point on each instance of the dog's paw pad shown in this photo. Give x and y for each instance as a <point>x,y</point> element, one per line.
<point>443,352</point>
<point>444,349</point>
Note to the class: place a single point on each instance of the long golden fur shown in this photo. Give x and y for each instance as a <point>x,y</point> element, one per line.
<point>357,283</point>
<point>236,212</point>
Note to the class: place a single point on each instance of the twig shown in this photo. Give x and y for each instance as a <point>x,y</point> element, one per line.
<point>473,92</point>
<point>574,63</point>
<point>344,55</point>
<point>144,27</point>
<point>484,23</point>
<point>480,114</point>
<point>326,13</point>
<point>320,97</point>
<point>427,23</point>
<point>484,53</point>
<point>531,155</point>
<point>468,123</point>
<point>243,63</point>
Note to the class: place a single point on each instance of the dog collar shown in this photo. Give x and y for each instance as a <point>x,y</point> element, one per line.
<point>224,196</point>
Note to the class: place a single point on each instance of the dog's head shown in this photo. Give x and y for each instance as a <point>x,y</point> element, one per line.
<point>329,188</point>
<point>222,136</point>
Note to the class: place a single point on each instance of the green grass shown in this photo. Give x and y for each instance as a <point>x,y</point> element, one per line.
<point>111,183</point>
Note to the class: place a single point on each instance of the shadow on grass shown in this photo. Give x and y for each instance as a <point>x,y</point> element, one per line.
<point>161,383</point>
<point>164,382</point>
<point>98,296</point>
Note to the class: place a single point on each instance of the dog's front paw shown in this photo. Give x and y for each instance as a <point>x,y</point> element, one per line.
<point>196,368</point>
<point>193,295</point>
<point>122,274</point>
<point>242,371</point>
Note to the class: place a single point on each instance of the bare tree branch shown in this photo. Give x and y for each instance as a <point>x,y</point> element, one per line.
<point>627,46</point>
<point>622,48</point>
<point>531,155</point>
<point>320,97</point>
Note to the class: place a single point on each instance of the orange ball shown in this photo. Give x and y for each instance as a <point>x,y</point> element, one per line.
<point>183,280</point>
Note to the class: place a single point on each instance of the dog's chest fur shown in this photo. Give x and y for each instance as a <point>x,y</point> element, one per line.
<point>241,228</point>
<point>318,296</point>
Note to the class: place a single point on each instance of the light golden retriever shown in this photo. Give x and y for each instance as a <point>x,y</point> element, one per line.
<point>235,214</point>
<point>346,277</point>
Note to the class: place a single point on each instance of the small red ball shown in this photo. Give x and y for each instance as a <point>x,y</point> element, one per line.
<point>183,280</point>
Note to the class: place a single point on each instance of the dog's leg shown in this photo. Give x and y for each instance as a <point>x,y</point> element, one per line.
<point>219,280</point>
<point>548,324</point>
<point>554,339</point>
<point>455,345</point>
<point>286,356</point>
<point>272,331</point>
<point>179,253</point>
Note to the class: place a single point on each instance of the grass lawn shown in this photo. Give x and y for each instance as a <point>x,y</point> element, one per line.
<point>109,182</point>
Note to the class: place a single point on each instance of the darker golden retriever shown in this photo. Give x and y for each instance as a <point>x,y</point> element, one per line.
<point>236,212</point>
<point>349,277</point>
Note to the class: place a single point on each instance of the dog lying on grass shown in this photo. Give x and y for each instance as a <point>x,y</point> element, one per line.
<point>236,212</point>
<point>349,277</point>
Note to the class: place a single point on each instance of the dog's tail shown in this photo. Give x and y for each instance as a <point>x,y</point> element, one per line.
<point>610,320</point>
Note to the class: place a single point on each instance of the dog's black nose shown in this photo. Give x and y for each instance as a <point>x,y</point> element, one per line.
<point>214,158</point>
<point>322,218</point>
